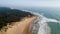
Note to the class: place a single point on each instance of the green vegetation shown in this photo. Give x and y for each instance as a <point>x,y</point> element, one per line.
<point>7,16</point>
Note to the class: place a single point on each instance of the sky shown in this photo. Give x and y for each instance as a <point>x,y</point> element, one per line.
<point>31,3</point>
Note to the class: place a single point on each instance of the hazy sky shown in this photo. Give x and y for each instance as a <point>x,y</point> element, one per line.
<point>33,3</point>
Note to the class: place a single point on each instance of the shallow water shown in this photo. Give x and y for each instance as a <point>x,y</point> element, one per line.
<point>55,27</point>
<point>47,25</point>
<point>48,12</point>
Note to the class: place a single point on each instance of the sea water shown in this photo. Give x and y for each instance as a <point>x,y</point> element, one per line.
<point>46,25</point>
<point>49,19</point>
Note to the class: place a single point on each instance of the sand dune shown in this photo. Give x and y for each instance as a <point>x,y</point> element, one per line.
<point>21,27</point>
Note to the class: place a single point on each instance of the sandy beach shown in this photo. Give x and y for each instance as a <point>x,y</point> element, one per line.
<point>21,27</point>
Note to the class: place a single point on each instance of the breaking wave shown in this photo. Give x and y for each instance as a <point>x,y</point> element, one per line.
<point>44,28</point>
<point>42,21</point>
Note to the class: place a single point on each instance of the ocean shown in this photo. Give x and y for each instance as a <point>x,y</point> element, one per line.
<point>50,19</point>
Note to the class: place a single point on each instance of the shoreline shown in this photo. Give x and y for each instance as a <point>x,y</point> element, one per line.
<point>21,27</point>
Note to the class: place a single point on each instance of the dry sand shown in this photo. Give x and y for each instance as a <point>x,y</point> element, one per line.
<point>21,27</point>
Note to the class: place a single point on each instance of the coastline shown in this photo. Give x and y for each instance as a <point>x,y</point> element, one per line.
<point>21,27</point>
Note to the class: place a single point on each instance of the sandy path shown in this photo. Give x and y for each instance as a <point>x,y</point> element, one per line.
<point>21,27</point>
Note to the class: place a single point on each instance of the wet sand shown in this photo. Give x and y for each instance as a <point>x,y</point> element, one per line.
<point>21,27</point>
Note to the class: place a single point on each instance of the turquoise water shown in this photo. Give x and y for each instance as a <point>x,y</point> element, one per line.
<point>53,13</point>
<point>55,27</point>
<point>49,12</point>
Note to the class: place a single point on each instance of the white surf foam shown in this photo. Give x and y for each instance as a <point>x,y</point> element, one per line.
<point>42,20</point>
<point>44,28</point>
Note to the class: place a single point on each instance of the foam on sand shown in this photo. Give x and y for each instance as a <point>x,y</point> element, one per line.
<point>42,20</point>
